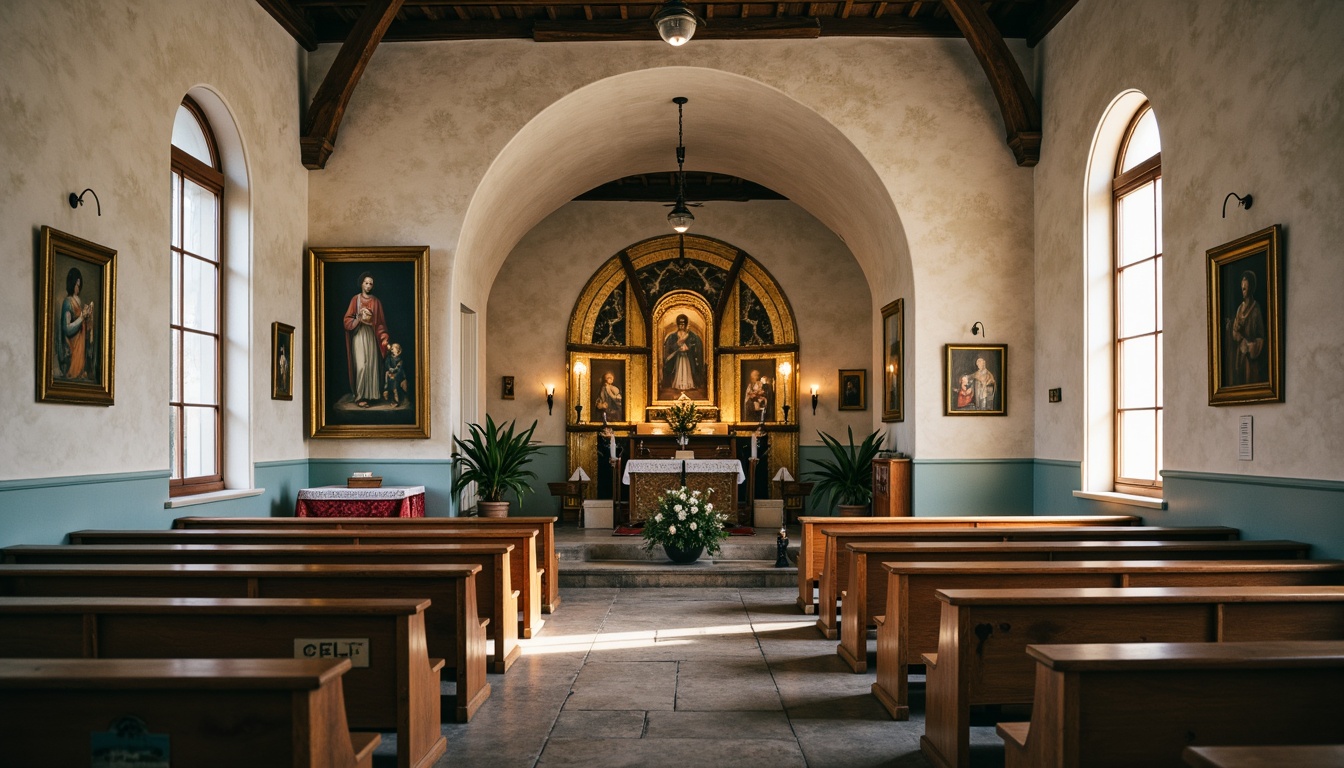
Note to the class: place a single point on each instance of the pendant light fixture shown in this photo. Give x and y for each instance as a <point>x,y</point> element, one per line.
<point>675,22</point>
<point>680,216</point>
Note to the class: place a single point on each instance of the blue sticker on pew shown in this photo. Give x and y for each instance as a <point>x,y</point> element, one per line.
<point>129,744</point>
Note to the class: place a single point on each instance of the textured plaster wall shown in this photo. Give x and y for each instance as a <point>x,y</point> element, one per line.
<point>535,290</point>
<point>1249,97</point>
<point>89,93</point>
<point>895,145</point>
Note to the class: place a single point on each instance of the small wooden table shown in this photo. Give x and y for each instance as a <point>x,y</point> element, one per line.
<point>339,501</point>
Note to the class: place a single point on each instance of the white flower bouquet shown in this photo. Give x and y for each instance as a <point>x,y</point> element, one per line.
<point>686,520</point>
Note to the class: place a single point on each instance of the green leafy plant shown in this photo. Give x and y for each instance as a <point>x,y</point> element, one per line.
<point>846,477</point>
<point>682,417</point>
<point>685,519</point>
<point>493,458</point>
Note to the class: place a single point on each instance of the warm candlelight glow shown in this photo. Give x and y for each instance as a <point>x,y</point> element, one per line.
<point>785,369</point>
<point>550,389</point>
<point>815,388</point>
<point>580,368</point>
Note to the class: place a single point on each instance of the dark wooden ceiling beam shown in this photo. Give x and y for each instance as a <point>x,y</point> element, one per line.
<point>293,20</point>
<point>323,120</point>
<point>642,29</point>
<point>1021,113</point>
<point>1050,13</point>
<point>887,26</point>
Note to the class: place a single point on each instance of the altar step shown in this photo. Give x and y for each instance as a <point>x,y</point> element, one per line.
<point>595,558</point>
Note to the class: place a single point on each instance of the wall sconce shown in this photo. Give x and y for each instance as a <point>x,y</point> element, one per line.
<point>550,399</point>
<point>978,329</point>
<point>784,370</point>
<point>78,200</point>
<point>814,399</point>
<point>579,370</point>
<point>1244,202</point>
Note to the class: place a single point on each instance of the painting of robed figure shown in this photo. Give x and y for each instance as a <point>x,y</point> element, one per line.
<point>682,344</point>
<point>78,291</point>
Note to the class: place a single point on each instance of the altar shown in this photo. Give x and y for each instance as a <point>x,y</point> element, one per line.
<point>340,501</point>
<point>650,478</point>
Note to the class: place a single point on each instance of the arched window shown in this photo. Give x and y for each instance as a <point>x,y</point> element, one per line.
<point>196,322</point>
<point>1137,282</point>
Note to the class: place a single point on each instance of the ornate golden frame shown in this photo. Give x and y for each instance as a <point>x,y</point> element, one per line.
<point>61,252</point>
<point>1258,253</point>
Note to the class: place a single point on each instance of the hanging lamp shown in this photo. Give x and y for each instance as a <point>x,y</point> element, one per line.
<point>675,22</point>
<point>680,216</point>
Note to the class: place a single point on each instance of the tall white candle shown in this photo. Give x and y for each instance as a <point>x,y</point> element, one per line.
<point>753,446</point>
<point>611,444</point>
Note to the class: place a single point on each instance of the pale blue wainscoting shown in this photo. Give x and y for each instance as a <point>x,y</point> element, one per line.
<point>972,487</point>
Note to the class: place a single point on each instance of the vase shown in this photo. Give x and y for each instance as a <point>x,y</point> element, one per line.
<point>852,510</point>
<point>683,556</point>
<point>493,508</point>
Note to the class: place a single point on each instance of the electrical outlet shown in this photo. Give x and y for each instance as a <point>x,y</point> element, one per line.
<point>1056,394</point>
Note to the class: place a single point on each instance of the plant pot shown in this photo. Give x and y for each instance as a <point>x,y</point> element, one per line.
<point>682,556</point>
<point>493,508</point>
<point>852,510</point>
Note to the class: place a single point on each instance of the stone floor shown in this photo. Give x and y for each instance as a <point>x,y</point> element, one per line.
<point>686,677</point>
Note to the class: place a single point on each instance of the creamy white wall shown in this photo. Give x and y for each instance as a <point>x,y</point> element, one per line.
<point>535,290</point>
<point>431,121</point>
<point>89,94</point>
<point>1249,97</point>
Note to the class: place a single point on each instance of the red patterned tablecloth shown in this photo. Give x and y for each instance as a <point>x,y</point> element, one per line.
<point>339,501</point>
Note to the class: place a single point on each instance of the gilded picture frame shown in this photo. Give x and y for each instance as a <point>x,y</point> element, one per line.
<point>77,325</point>
<point>852,393</point>
<point>1245,335</point>
<point>506,388</point>
<point>368,343</point>
<point>893,361</point>
<point>282,361</point>
<point>975,380</point>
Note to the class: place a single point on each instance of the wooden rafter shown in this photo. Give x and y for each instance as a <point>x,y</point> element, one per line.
<point>1047,17</point>
<point>1021,113</point>
<point>323,120</point>
<point>293,20</point>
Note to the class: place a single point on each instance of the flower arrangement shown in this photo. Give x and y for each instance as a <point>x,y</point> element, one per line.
<point>682,417</point>
<point>685,520</point>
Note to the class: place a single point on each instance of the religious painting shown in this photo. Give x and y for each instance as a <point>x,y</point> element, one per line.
<point>506,388</point>
<point>893,361</point>
<point>756,383</point>
<point>974,381</point>
<point>683,340</point>
<point>853,389</point>
<point>607,390</point>
<point>282,361</point>
<point>368,357</point>
<point>1245,322</point>
<point>78,323</point>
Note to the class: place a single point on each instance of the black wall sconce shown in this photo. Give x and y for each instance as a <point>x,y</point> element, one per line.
<point>1244,202</point>
<point>978,329</point>
<point>550,399</point>
<point>814,399</point>
<point>78,200</point>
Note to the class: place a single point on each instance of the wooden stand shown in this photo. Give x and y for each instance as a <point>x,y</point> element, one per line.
<point>616,518</point>
<point>750,507</point>
<point>891,487</point>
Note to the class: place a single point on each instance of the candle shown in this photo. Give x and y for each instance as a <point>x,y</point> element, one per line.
<point>753,446</point>
<point>611,444</point>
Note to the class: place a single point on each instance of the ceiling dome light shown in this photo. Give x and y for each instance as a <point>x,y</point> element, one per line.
<point>675,22</point>
<point>680,217</point>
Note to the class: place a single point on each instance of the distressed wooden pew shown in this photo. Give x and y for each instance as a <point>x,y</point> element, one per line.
<point>495,594</point>
<point>811,550</point>
<point>1117,705</point>
<point>261,713</point>
<point>984,633</point>
<point>546,557</point>
<point>526,575</point>
<point>393,685</point>
<point>828,605</point>
<point>908,627</point>
<point>1295,755</point>
<point>843,577</point>
<point>454,630</point>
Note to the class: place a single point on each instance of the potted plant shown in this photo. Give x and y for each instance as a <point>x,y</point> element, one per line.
<point>685,525</point>
<point>493,457</point>
<point>846,479</point>
<point>682,418</point>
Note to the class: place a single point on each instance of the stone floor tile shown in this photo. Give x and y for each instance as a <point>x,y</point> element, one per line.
<point>599,724</point>
<point>673,753</point>
<point>718,725</point>
<point>625,685</point>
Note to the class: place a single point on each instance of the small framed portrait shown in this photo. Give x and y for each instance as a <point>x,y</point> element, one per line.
<point>77,331</point>
<point>607,390</point>
<point>282,361</point>
<point>853,389</point>
<point>368,355</point>
<point>506,388</point>
<point>756,389</point>
<point>893,350</point>
<point>975,380</point>
<point>1245,320</point>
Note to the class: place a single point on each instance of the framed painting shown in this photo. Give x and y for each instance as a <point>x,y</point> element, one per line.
<point>893,352</point>
<point>282,361</point>
<point>1245,319</point>
<point>853,389</point>
<point>974,380</point>
<point>368,351</point>
<point>683,329</point>
<point>607,388</point>
<point>506,388</point>
<point>77,330</point>
<point>756,389</point>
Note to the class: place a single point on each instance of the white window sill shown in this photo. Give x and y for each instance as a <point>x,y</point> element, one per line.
<point>206,498</point>
<point>1147,502</point>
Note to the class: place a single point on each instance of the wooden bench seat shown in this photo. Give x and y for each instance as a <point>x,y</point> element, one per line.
<point>394,685</point>
<point>454,630</point>
<point>850,573</point>
<point>1128,705</point>
<point>909,625</point>
<point>811,546</point>
<point>1294,755</point>
<point>526,575</point>
<point>828,605</point>
<point>546,557</point>
<point>260,713</point>
<point>984,634</point>
<point>495,594</point>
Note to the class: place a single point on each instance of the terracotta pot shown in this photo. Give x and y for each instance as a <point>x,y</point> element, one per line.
<point>852,510</point>
<point>493,508</point>
<point>682,556</point>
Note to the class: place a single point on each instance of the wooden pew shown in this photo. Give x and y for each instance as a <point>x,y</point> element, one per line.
<point>286,713</point>
<point>984,633</point>
<point>828,605</point>
<point>1125,705</point>
<point>546,557</point>
<point>1295,755</point>
<point>908,628</point>
<point>811,546</point>
<point>495,594</point>
<point>526,575</point>
<point>394,685</point>
<point>453,629</point>
<point>843,577</point>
